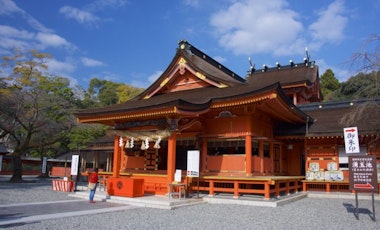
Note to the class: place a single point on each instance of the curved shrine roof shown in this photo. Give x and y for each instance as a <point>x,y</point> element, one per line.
<point>218,86</point>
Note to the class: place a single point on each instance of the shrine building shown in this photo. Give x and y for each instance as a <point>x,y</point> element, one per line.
<point>267,133</point>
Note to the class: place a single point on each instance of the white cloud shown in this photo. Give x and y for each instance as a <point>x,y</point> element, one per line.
<point>52,40</point>
<point>91,62</point>
<point>60,67</point>
<point>86,15</point>
<point>11,32</point>
<point>83,17</point>
<point>257,26</point>
<point>249,27</point>
<point>12,38</point>
<point>331,24</point>
<point>8,7</point>
<point>63,69</point>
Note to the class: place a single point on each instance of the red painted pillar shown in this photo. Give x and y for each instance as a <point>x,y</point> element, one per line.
<point>267,190</point>
<point>248,155</point>
<point>236,189</point>
<point>116,157</point>
<point>203,155</point>
<point>271,154</point>
<point>261,155</point>
<point>171,156</point>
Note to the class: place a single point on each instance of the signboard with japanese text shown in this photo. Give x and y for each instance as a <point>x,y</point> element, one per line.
<point>74,165</point>
<point>193,163</point>
<point>363,173</point>
<point>351,140</point>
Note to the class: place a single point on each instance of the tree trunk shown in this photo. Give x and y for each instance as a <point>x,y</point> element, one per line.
<point>17,169</point>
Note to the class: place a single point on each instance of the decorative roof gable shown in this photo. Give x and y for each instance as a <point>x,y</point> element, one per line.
<point>191,69</point>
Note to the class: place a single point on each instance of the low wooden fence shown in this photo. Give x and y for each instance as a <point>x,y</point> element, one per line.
<point>266,186</point>
<point>328,186</point>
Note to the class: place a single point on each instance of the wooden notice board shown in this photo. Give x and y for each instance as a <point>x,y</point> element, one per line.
<point>363,173</point>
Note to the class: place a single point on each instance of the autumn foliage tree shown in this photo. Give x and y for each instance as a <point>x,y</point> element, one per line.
<point>35,108</point>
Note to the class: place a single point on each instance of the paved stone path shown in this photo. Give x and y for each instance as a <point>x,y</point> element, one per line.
<point>32,212</point>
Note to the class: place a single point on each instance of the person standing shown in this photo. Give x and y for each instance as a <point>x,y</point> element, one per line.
<point>92,184</point>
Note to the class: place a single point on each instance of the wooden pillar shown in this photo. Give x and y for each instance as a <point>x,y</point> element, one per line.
<point>271,155</point>
<point>203,155</point>
<point>116,157</point>
<point>280,160</point>
<point>171,156</point>
<point>248,155</point>
<point>236,189</point>
<point>277,187</point>
<point>261,156</point>
<point>267,190</point>
<point>211,188</point>
<point>96,159</point>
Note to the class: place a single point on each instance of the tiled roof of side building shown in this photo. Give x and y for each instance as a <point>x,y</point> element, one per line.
<point>328,116</point>
<point>302,73</point>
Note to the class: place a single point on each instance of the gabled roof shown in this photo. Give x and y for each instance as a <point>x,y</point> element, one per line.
<point>197,101</point>
<point>199,65</point>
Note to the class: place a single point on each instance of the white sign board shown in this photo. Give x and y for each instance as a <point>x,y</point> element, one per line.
<point>44,163</point>
<point>193,163</point>
<point>351,140</point>
<point>178,175</point>
<point>74,165</point>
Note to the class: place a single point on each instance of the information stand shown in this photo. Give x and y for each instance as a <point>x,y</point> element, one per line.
<point>193,166</point>
<point>363,178</point>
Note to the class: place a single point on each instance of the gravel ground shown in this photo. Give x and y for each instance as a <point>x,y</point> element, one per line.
<point>308,213</point>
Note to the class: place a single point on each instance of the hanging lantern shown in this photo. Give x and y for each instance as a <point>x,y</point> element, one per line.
<point>120,142</point>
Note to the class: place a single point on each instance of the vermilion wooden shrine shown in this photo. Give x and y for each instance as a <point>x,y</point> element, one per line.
<point>256,135</point>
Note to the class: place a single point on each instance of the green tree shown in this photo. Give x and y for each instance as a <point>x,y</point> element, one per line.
<point>329,83</point>
<point>103,92</point>
<point>35,108</point>
<point>127,92</point>
<point>360,86</point>
<point>81,134</point>
<point>367,60</point>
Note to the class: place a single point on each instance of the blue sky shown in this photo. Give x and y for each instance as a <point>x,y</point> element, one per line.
<point>133,41</point>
